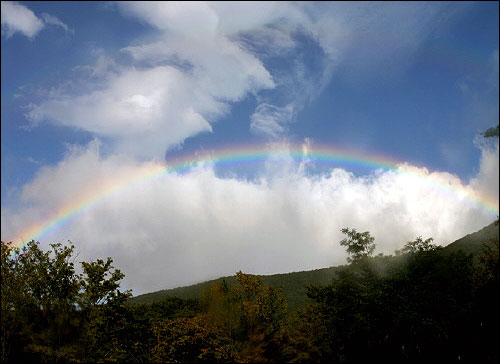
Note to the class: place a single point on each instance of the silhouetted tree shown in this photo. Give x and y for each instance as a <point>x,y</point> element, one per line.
<point>49,312</point>
<point>491,132</point>
<point>358,245</point>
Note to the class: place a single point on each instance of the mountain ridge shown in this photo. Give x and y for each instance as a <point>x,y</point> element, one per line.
<point>294,283</point>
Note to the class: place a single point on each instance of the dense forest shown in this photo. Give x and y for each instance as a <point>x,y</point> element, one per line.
<point>422,303</point>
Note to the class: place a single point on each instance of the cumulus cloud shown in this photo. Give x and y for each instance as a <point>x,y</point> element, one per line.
<point>179,229</point>
<point>18,18</point>
<point>182,228</point>
<point>213,54</point>
<point>486,181</point>
<point>143,110</point>
<point>175,89</point>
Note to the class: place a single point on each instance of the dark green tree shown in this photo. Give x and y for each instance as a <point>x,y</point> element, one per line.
<point>190,340</point>
<point>491,132</point>
<point>252,315</point>
<point>41,303</point>
<point>486,303</point>
<point>49,312</point>
<point>103,310</point>
<point>417,306</point>
<point>358,245</point>
<point>418,245</point>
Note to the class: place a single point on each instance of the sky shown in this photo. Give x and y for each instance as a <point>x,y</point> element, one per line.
<point>192,140</point>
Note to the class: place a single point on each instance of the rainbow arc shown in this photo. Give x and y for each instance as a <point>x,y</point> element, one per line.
<point>241,155</point>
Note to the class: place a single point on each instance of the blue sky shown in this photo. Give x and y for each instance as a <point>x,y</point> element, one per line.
<point>107,86</point>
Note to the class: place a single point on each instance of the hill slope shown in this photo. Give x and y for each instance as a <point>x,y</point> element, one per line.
<point>473,243</point>
<point>294,284</point>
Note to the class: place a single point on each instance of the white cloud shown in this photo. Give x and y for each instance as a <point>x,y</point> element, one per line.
<point>52,20</point>
<point>146,109</point>
<point>271,120</point>
<point>378,36</point>
<point>487,180</point>
<point>200,18</point>
<point>18,18</point>
<point>196,226</point>
<point>207,55</point>
<point>179,229</point>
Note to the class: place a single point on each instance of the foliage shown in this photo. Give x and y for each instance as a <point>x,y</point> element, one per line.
<point>49,312</point>
<point>188,340</point>
<point>39,295</point>
<point>491,132</point>
<point>425,303</point>
<point>293,287</point>
<point>250,314</point>
<point>417,245</point>
<point>422,305</point>
<point>294,283</point>
<point>487,301</point>
<point>359,245</point>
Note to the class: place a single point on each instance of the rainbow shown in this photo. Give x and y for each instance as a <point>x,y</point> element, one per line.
<point>151,172</point>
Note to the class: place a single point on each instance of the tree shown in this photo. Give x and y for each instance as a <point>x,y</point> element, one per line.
<point>358,245</point>
<point>418,245</point>
<point>12,293</point>
<point>418,306</point>
<point>48,310</point>
<point>251,314</point>
<point>39,290</point>
<point>487,301</point>
<point>102,306</point>
<point>189,340</point>
<point>491,132</point>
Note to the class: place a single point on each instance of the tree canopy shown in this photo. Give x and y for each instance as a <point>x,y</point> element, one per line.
<point>358,245</point>
<point>491,132</point>
<point>424,303</point>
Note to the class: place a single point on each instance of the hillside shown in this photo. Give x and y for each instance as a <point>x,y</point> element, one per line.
<point>472,243</point>
<point>294,284</point>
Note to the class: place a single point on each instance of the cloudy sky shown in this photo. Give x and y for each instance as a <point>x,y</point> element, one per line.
<point>100,99</point>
